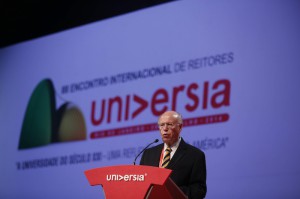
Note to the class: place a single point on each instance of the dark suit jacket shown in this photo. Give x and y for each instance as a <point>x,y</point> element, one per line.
<point>188,165</point>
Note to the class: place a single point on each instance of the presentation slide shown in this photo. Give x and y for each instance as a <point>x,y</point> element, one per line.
<point>90,97</point>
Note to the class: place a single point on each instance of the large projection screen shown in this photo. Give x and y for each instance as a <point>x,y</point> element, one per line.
<point>90,97</point>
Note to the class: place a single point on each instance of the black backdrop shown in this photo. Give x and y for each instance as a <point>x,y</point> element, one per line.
<point>24,20</point>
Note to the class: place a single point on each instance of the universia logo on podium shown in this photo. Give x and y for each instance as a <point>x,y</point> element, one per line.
<point>126,177</point>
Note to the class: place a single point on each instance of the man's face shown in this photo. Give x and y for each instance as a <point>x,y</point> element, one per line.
<point>169,128</point>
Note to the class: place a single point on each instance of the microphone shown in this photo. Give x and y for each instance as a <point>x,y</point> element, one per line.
<point>156,140</point>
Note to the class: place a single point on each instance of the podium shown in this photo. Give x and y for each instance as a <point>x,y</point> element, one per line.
<point>135,182</point>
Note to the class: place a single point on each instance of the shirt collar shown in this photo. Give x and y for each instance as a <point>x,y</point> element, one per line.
<point>174,146</point>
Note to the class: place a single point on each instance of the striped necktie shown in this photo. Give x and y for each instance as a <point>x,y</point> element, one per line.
<point>167,157</point>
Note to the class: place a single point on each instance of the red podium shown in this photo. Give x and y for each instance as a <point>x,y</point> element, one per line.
<point>135,182</point>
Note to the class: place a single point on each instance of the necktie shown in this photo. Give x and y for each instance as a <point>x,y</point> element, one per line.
<point>167,157</point>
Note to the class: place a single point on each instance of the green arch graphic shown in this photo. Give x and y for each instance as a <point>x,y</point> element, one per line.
<point>39,120</point>
<point>43,124</point>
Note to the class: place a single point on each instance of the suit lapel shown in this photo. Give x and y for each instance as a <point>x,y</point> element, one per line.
<point>158,154</point>
<point>180,152</point>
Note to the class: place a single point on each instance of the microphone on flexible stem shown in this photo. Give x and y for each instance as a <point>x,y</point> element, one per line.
<point>156,140</point>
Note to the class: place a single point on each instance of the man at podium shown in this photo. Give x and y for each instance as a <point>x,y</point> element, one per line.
<point>186,161</point>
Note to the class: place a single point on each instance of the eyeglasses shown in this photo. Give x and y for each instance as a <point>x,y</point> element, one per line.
<point>169,125</point>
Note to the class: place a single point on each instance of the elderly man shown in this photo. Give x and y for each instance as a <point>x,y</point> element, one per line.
<point>186,162</point>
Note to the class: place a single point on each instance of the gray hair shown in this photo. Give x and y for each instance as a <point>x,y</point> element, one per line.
<point>176,115</point>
